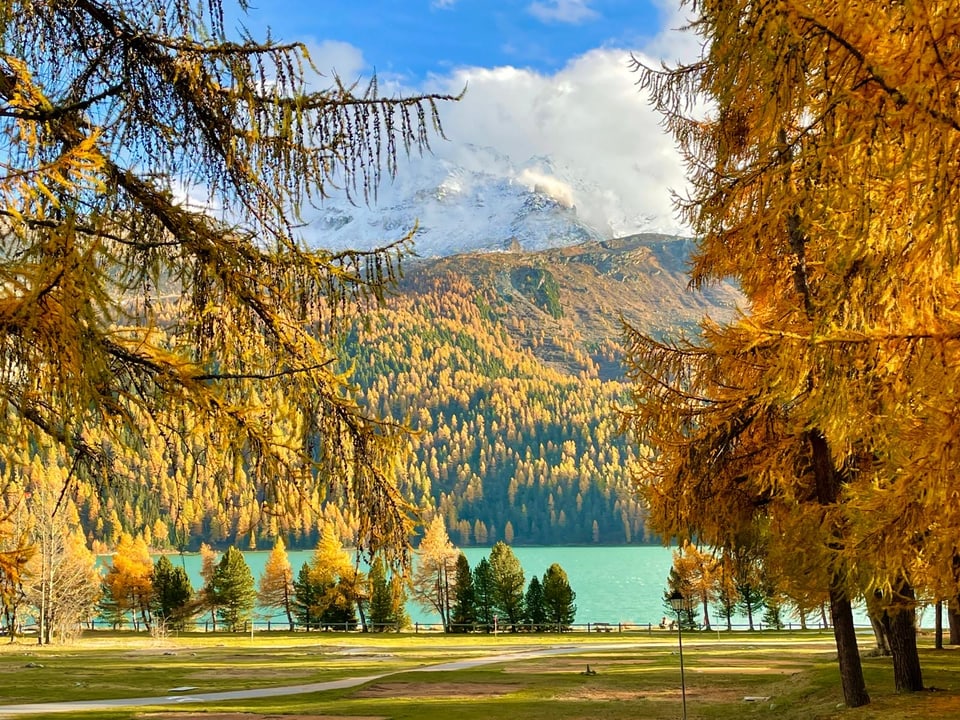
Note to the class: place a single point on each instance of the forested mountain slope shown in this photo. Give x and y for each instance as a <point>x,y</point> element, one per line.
<point>507,367</point>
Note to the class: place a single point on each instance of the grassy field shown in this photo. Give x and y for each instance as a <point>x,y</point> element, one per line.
<point>632,675</point>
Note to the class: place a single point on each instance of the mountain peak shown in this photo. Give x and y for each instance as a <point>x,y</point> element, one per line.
<point>478,200</point>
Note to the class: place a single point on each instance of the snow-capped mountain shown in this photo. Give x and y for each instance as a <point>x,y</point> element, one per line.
<point>476,199</point>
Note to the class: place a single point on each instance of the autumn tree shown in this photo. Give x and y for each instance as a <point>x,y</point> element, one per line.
<point>327,588</point>
<point>698,569</point>
<point>127,584</point>
<point>507,585</point>
<point>207,598</point>
<point>275,589</point>
<point>434,570</point>
<point>234,590</point>
<point>158,283</point>
<point>817,183</point>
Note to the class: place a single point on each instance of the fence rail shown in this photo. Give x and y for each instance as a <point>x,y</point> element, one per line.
<point>262,626</point>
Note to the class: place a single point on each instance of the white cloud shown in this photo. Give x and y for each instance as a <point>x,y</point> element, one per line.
<point>564,11</point>
<point>589,120</point>
<point>334,57</point>
<point>443,3</point>
<point>548,185</point>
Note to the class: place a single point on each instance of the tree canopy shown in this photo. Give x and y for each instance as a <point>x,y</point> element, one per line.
<point>816,139</point>
<point>161,313</point>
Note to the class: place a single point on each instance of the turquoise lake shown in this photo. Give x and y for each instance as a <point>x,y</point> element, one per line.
<point>613,584</point>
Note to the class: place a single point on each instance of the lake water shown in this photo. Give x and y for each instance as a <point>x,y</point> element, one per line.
<point>613,584</point>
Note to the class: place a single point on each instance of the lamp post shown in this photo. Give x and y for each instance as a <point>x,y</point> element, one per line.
<point>679,603</point>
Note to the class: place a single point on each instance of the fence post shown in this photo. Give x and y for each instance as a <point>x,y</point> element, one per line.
<point>416,628</point>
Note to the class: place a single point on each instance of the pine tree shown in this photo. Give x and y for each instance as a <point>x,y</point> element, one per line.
<point>172,594</point>
<point>234,589</point>
<point>463,614</point>
<point>483,593</point>
<point>306,598</point>
<point>558,598</point>
<point>381,603</point>
<point>275,589</point>
<point>534,608</point>
<point>507,585</point>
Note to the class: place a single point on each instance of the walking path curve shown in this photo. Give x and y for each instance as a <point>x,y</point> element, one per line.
<point>10,711</point>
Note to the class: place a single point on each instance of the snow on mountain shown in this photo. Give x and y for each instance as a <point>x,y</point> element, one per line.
<point>475,199</point>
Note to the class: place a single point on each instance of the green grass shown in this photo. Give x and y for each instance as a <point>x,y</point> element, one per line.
<point>797,672</point>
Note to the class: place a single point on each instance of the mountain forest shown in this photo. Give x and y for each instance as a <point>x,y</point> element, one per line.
<point>507,369</point>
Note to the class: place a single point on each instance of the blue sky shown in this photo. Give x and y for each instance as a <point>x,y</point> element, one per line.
<point>416,38</point>
<point>544,78</point>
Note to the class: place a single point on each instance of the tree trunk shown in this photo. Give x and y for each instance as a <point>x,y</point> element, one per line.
<point>828,483</point>
<point>900,624</point>
<point>706,613</point>
<point>953,619</point>
<point>938,625</point>
<point>880,633</point>
<point>848,654</point>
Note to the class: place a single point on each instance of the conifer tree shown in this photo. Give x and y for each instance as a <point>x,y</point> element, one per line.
<point>208,600</point>
<point>234,589</point>
<point>507,585</point>
<point>483,593</point>
<point>817,183</point>
<point>381,605</point>
<point>558,598</point>
<point>463,614</point>
<point>534,607</point>
<point>275,589</point>
<point>127,582</point>
<point>170,602</point>
<point>134,313</point>
<point>434,569</point>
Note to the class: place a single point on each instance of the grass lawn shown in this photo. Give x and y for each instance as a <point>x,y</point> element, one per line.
<point>632,675</point>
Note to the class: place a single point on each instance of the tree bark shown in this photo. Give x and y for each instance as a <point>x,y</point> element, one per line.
<point>828,484</point>
<point>953,617</point>
<point>848,654</point>
<point>900,623</point>
<point>938,626</point>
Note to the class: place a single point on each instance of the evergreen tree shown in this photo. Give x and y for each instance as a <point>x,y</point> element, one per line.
<point>275,589</point>
<point>508,584</point>
<point>534,608</point>
<point>172,594</point>
<point>558,597</point>
<point>306,598</point>
<point>483,593</point>
<point>381,603</point>
<point>463,613</point>
<point>234,589</point>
